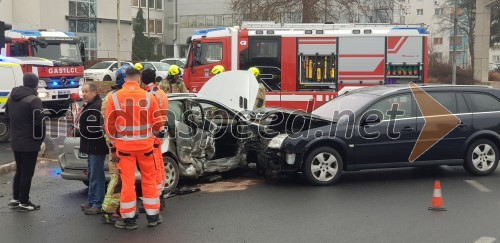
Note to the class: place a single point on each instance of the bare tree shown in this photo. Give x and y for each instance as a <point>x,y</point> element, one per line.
<point>466,14</point>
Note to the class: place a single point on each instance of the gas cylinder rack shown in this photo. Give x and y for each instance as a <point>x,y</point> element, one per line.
<point>401,73</point>
<point>318,70</point>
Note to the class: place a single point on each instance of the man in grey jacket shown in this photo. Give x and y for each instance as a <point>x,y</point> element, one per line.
<point>24,112</point>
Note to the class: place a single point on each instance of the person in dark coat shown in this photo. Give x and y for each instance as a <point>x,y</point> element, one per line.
<point>93,143</point>
<point>24,112</point>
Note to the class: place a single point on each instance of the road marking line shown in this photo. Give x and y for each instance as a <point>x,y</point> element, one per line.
<point>478,185</point>
<point>485,239</point>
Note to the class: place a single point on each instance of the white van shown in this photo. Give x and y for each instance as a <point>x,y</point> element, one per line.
<point>11,75</point>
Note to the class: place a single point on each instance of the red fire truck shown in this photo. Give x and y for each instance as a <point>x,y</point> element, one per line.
<point>300,63</point>
<point>64,54</point>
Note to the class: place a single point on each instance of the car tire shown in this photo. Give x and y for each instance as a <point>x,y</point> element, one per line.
<point>171,173</point>
<point>323,166</point>
<point>481,158</point>
<point>107,78</point>
<point>4,131</point>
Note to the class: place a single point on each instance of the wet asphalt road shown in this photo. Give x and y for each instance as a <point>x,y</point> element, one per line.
<point>368,206</point>
<point>6,155</point>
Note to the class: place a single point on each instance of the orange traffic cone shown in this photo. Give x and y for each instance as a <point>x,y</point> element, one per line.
<point>437,198</point>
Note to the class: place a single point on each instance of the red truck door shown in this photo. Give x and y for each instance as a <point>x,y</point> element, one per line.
<point>205,54</point>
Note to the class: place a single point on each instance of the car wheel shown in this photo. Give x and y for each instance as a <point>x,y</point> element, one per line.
<point>481,157</point>
<point>171,174</point>
<point>323,166</point>
<point>107,78</point>
<point>4,131</point>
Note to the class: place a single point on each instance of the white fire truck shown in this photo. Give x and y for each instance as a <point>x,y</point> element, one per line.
<point>56,57</point>
<point>304,65</point>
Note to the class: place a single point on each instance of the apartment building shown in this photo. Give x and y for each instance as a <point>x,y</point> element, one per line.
<point>154,14</point>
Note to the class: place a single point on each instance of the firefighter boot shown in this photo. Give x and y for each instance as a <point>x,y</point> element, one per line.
<point>110,218</point>
<point>127,223</point>
<point>154,220</point>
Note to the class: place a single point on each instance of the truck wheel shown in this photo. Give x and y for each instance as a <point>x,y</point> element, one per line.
<point>323,166</point>
<point>107,78</point>
<point>481,158</point>
<point>4,131</point>
<point>171,173</point>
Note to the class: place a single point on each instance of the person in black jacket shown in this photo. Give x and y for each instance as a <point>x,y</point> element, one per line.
<point>93,143</point>
<point>24,112</point>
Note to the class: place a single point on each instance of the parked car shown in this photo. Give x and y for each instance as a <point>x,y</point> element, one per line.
<point>181,62</point>
<point>160,68</point>
<point>494,67</point>
<point>103,71</point>
<point>208,132</point>
<point>323,145</point>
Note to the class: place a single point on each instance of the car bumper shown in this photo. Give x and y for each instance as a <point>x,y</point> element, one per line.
<point>280,160</point>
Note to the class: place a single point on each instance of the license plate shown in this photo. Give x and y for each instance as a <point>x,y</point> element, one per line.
<point>63,92</point>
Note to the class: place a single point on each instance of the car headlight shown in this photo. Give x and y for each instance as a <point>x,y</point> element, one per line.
<point>81,81</point>
<point>277,141</point>
<point>41,84</point>
<point>43,95</point>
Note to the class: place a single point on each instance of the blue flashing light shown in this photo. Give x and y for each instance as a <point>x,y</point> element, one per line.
<point>70,34</point>
<point>28,33</point>
<point>421,30</point>
<point>206,31</point>
<point>54,83</point>
<point>72,82</point>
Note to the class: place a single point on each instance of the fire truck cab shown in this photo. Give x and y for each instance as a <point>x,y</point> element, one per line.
<point>63,52</point>
<point>308,64</point>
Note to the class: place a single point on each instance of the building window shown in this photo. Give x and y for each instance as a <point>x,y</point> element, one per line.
<point>496,58</point>
<point>458,41</point>
<point>210,21</point>
<point>135,3</point>
<point>83,8</point>
<point>87,31</point>
<point>159,4</point>
<point>438,41</point>
<point>184,22</point>
<point>158,26</point>
<point>200,21</point>
<point>218,21</point>
<point>151,4</point>
<point>228,20</point>
<point>143,3</point>
<point>438,11</point>
<point>151,26</point>
<point>420,12</point>
<point>192,21</point>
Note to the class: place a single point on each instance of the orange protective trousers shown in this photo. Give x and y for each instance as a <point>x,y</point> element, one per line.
<point>147,166</point>
<point>160,167</point>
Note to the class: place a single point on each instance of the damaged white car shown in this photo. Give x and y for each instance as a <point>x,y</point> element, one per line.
<point>207,132</point>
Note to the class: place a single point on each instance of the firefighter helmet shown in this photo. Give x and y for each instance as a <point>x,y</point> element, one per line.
<point>138,66</point>
<point>217,69</point>
<point>174,70</point>
<point>255,71</point>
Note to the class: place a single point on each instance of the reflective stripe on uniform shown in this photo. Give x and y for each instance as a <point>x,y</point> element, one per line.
<point>127,205</point>
<point>128,215</point>
<point>152,211</point>
<point>117,104</point>
<point>134,138</point>
<point>133,128</point>
<point>150,201</point>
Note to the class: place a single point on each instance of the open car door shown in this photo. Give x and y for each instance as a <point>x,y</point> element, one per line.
<point>235,89</point>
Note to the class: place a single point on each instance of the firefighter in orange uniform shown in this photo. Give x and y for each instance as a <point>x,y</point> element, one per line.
<point>148,77</point>
<point>131,126</point>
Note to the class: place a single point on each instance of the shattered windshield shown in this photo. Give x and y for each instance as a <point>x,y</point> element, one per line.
<point>64,52</point>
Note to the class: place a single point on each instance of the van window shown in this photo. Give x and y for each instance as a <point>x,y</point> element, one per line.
<point>461,105</point>
<point>481,102</point>
<point>404,102</point>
